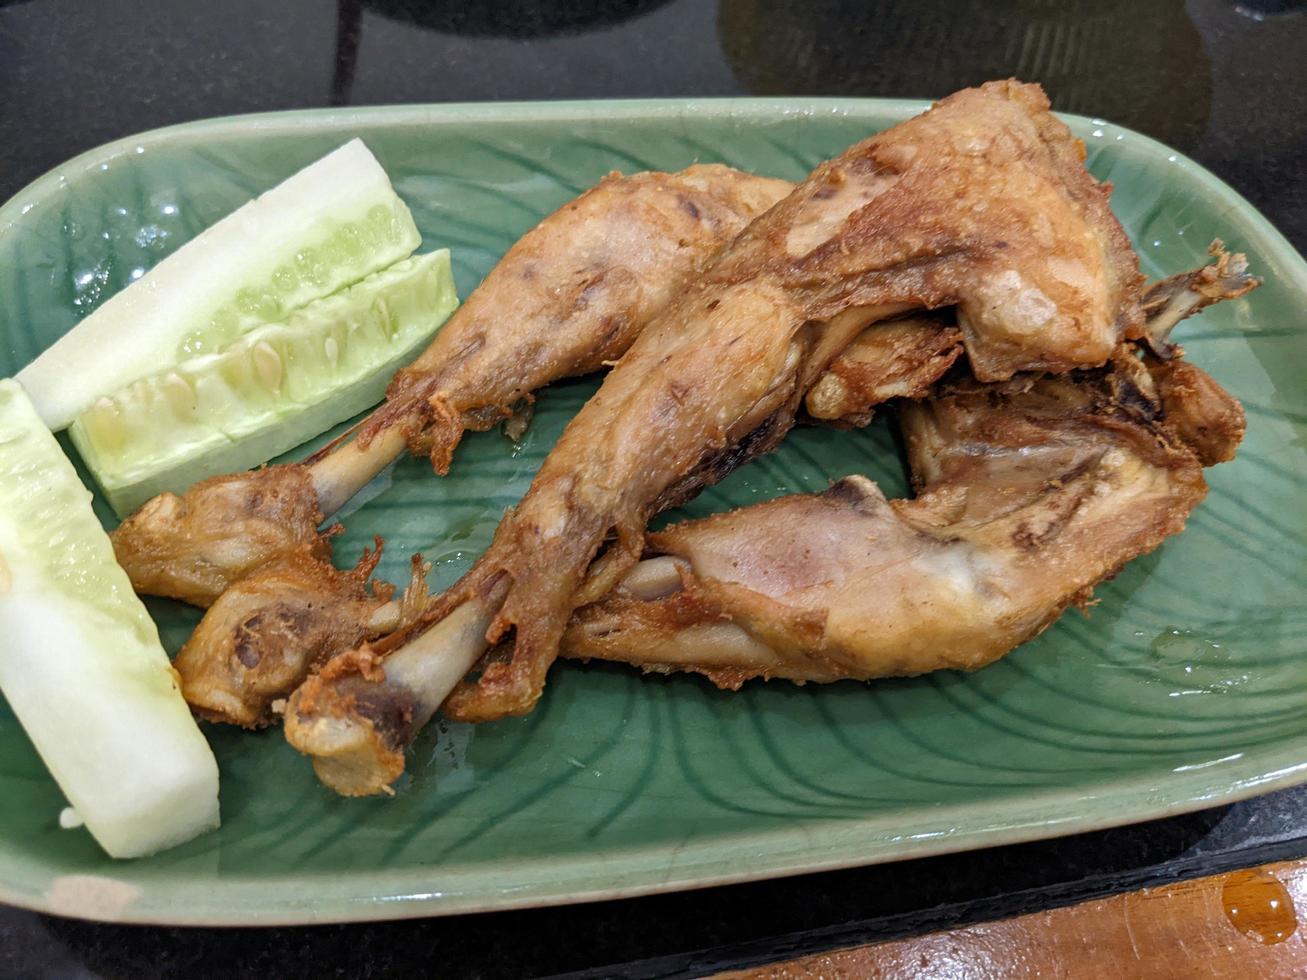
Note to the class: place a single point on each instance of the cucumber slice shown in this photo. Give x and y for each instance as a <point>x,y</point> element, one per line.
<point>80,660</point>
<point>276,387</point>
<point>330,225</point>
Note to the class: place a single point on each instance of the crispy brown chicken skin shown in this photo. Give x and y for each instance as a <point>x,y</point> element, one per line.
<point>568,298</point>
<point>894,359</point>
<point>1031,492</point>
<point>983,203</point>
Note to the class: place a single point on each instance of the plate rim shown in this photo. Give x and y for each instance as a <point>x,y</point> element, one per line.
<point>246,903</point>
<point>392,894</point>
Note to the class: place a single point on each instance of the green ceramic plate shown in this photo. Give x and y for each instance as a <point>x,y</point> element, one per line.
<point>1185,688</point>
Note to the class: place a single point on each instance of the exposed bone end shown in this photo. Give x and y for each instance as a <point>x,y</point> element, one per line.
<point>416,415</point>
<point>385,619</point>
<point>1177,297</point>
<point>160,509</point>
<point>432,663</point>
<point>655,578</point>
<point>348,754</point>
<point>266,633</point>
<point>353,724</point>
<point>356,717</point>
<point>343,469</point>
<point>1226,278</point>
<point>221,706</point>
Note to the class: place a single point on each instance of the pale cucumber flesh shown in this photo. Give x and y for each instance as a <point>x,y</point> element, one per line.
<point>268,392</point>
<point>80,659</point>
<point>327,227</point>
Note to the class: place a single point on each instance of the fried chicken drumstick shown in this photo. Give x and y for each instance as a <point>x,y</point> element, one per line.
<point>261,638</point>
<point>567,299</point>
<point>982,203</point>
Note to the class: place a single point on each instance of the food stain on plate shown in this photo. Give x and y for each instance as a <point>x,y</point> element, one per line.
<point>91,897</point>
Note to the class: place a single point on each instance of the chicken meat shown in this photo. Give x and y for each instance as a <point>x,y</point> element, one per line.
<point>898,359</point>
<point>982,203</point>
<point>1029,494</point>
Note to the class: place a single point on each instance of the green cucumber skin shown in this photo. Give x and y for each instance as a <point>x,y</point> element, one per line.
<point>321,230</point>
<point>241,422</point>
<point>81,664</point>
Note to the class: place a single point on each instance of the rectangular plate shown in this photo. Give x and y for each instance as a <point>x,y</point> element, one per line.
<point>1183,689</point>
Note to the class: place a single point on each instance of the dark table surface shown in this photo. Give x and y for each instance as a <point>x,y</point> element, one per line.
<point>1226,83</point>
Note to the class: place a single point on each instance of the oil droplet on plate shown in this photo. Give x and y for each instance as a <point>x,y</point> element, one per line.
<point>1259,906</point>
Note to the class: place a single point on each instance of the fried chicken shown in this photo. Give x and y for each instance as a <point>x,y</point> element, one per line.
<point>1030,493</point>
<point>567,299</point>
<point>366,706</point>
<point>982,202</point>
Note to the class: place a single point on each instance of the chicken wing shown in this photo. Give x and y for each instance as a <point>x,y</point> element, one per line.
<point>567,299</point>
<point>982,202</point>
